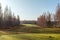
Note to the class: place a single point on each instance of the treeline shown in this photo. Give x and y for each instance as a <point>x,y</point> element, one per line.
<point>50,20</point>
<point>7,18</point>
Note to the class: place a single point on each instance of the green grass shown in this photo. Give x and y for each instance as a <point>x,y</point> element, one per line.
<point>38,30</point>
<point>30,37</point>
<point>30,32</point>
<point>31,28</point>
<point>30,25</point>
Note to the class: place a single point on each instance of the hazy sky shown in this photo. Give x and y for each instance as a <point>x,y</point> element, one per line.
<point>30,9</point>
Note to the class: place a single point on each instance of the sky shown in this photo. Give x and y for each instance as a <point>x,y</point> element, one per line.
<point>30,9</point>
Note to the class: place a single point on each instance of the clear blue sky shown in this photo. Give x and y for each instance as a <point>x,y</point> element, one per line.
<point>30,9</point>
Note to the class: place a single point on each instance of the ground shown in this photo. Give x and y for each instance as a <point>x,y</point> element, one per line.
<point>43,33</point>
<point>30,37</point>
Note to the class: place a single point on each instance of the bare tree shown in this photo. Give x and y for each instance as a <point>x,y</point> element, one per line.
<point>1,15</point>
<point>57,16</point>
<point>42,20</point>
<point>49,20</point>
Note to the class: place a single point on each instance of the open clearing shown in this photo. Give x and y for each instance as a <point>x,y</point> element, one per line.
<point>31,33</point>
<point>30,25</point>
<point>30,37</point>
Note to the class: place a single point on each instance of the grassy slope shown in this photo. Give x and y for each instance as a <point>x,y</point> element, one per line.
<point>31,28</point>
<point>30,37</point>
<point>30,25</point>
<point>6,35</point>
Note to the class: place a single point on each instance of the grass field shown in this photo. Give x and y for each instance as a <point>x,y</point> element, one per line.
<point>30,37</point>
<point>30,32</point>
<point>30,25</point>
<point>32,28</point>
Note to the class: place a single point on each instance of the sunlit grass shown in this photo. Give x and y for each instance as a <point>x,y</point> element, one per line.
<point>30,37</point>
<point>30,25</point>
<point>42,34</point>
